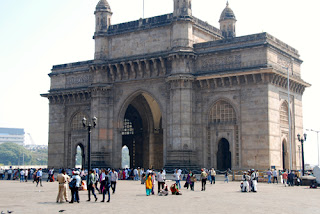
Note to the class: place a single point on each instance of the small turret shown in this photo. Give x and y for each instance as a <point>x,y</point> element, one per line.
<point>228,22</point>
<point>182,8</point>
<point>103,21</point>
<point>103,16</point>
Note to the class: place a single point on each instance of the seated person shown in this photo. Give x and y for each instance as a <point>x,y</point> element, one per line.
<point>174,190</point>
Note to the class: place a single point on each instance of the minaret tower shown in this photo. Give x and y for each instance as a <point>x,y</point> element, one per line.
<point>228,22</point>
<point>103,16</point>
<point>103,21</point>
<point>182,8</point>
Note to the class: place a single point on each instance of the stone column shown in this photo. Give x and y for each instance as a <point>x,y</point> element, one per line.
<point>100,108</point>
<point>180,120</point>
<point>57,137</point>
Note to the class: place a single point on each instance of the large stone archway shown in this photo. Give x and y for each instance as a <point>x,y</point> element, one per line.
<point>142,131</point>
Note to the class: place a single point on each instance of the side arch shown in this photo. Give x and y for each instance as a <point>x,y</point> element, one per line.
<point>222,122</point>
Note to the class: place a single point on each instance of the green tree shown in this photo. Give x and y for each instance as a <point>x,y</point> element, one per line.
<point>11,153</point>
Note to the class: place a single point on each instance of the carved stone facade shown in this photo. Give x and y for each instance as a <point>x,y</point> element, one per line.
<point>179,94</point>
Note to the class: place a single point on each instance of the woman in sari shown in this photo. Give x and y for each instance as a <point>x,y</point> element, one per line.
<point>148,185</point>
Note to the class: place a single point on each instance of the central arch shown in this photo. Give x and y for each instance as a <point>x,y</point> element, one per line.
<point>223,155</point>
<point>142,131</point>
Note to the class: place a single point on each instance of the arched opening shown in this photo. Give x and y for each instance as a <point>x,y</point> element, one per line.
<point>142,132</point>
<point>223,155</point>
<point>79,157</point>
<point>285,162</point>
<point>125,163</point>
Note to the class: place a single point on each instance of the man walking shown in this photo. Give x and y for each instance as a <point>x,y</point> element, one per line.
<point>63,179</point>
<point>91,182</point>
<point>203,178</point>
<point>114,178</point>
<point>39,177</point>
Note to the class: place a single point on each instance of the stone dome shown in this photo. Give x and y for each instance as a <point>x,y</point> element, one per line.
<point>103,5</point>
<point>227,13</point>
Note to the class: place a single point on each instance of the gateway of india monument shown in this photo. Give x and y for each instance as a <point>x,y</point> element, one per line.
<point>178,92</point>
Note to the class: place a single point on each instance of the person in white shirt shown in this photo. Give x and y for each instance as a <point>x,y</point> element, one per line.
<point>9,174</point>
<point>176,177</point>
<point>136,176</point>
<point>114,178</point>
<point>161,181</point>
<point>275,175</point>
<point>26,175</point>
<point>1,173</point>
<point>21,175</point>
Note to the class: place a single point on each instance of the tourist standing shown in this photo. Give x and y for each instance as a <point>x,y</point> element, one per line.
<point>176,177</point>
<point>91,183</point>
<point>39,177</point>
<point>275,176</point>
<point>226,176</point>
<point>269,173</point>
<point>285,178</point>
<point>9,174</point>
<point>213,176</point>
<point>75,188</point>
<point>193,179</point>
<point>1,173</point>
<point>63,179</point>
<point>22,175</point>
<point>136,175</point>
<point>114,178</point>
<point>142,176</point>
<point>107,184</point>
<point>203,178</point>
<point>26,173</point>
<point>148,184</point>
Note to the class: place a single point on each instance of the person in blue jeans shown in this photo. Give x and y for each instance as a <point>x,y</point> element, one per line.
<point>176,177</point>
<point>269,173</point>
<point>226,176</point>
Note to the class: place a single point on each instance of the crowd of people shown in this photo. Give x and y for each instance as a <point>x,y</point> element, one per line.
<point>104,181</point>
<point>288,178</point>
<point>23,175</point>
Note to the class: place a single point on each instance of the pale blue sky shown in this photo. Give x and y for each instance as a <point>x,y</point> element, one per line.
<point>36,34</point>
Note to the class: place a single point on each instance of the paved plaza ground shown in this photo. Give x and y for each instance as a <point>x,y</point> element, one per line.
<point>130,198</point>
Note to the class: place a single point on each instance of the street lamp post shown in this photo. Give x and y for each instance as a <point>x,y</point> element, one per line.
<point>89,126</point>
<point>304,138</point>
<point>317,143</point>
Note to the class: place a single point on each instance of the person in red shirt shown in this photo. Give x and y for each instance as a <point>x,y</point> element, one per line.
<point>285,178</point>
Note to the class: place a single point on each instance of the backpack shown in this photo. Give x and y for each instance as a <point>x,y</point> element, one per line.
<point>73,183</point>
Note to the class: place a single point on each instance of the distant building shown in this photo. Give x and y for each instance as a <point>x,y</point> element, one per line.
<point>12,135</point>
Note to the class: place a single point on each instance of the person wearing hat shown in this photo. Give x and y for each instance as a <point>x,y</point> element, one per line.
<point>63,180</point>
<point>75,189</point>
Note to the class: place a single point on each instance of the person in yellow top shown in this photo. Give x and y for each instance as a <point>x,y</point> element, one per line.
<point>148,184</point>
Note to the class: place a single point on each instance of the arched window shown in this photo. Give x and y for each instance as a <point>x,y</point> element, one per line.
<point>284,117</point>
<point>222,112</point>
<point>76,123</point>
